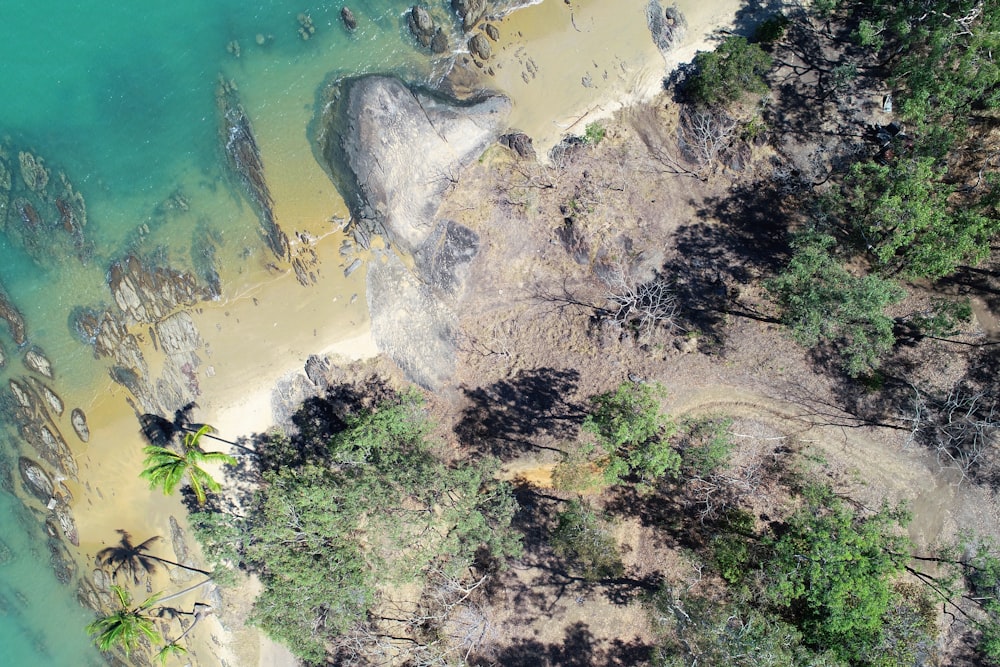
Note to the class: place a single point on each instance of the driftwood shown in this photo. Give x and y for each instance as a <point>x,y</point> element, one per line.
<point>243,156</point>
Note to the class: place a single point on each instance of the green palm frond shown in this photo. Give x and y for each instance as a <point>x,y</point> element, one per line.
<point>171,649</point>
<point>165,468</point>
<point>125,627</point>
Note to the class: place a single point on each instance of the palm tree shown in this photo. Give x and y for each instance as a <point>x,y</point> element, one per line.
<point>133,559</point>
<point>165,467</point>
<point>126,626</point>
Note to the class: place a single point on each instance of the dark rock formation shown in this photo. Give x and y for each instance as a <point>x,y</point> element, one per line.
<point>470,11</point>
<point>421,25</point>
<point>245,163</point>
<point>12,316</point>
<point>79,421</point>
<point>520,143</point>
<point>491,31</point>
<point>62,561</point>
<point>480,47</point>
<point>439,43</point>
<point>667,25</point>
<point>36,481</point>
<point>347,16</point>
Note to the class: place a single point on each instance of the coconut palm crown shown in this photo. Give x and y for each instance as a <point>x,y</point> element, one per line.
<point>164,467</point>
<point>126,626</point>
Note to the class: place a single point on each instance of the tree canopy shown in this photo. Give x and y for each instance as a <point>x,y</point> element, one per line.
<point>723,76</point>
<point>329,540</point>
<point>823,302</point>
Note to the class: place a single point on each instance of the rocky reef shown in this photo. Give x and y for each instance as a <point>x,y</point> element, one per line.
<point>243,158</point>
<point>40,209</point>
<point>152,295</point>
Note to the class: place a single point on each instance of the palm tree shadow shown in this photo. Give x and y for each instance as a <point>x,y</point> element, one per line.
<point>133,559</point>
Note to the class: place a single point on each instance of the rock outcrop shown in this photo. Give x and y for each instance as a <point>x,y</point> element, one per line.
<point>375,128</point>
<point>347,16</point>
<point>384,125</point>
<point>470,11</point>
<point>667,25</point>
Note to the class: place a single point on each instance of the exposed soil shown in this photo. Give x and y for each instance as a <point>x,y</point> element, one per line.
<point>538,337</point>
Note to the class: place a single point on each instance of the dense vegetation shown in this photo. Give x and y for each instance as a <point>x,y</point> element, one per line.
<point>335,540</point>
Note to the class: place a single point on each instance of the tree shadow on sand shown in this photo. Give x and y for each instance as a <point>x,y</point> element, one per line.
<point>503,418</point>
<point>578,648</point>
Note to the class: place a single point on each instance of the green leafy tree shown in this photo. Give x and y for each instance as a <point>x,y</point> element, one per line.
<point>823,302</point>
<point>332,539</point>
<point>165,468</point>
<point>723,76</point>
<point>125,627</point>
<point>629,426</point>
<point>943,55</point>
<point>832,572</point>
<point>902,216</point>
<point>700,631</point>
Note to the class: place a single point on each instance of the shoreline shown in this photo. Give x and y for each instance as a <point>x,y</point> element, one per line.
<point>275,323</point>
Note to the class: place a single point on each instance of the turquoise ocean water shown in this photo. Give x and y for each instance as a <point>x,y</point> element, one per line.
<point>120,97</point>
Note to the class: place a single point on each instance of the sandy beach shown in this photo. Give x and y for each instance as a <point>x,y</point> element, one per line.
<point>562,65</point>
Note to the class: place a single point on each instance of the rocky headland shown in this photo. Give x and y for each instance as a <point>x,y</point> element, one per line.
<point>371,132</point>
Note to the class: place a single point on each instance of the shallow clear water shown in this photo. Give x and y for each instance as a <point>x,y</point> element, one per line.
<point>121,98</point>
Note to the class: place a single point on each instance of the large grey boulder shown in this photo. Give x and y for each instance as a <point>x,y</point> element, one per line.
<point>404,148</point>
<point>410,324</point>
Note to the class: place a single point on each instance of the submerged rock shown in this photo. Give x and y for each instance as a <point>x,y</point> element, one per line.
<point>33,171</point>
<point>79,421</point>
<point>10,314</point>
<point>245,163</point>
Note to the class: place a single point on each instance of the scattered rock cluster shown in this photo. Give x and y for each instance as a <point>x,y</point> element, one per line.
<point>40,209</point>
<point>426,32</point>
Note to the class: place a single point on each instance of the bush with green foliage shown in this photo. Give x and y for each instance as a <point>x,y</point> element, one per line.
<point>630,428</point>
<point>594,133</point>
<point>823,302</point>
<point>586,540</point>
<point>723,76</point>
<point>328,540</point>
<point>705,445</point>
<point>831,572</point>
<point>901,215</point>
